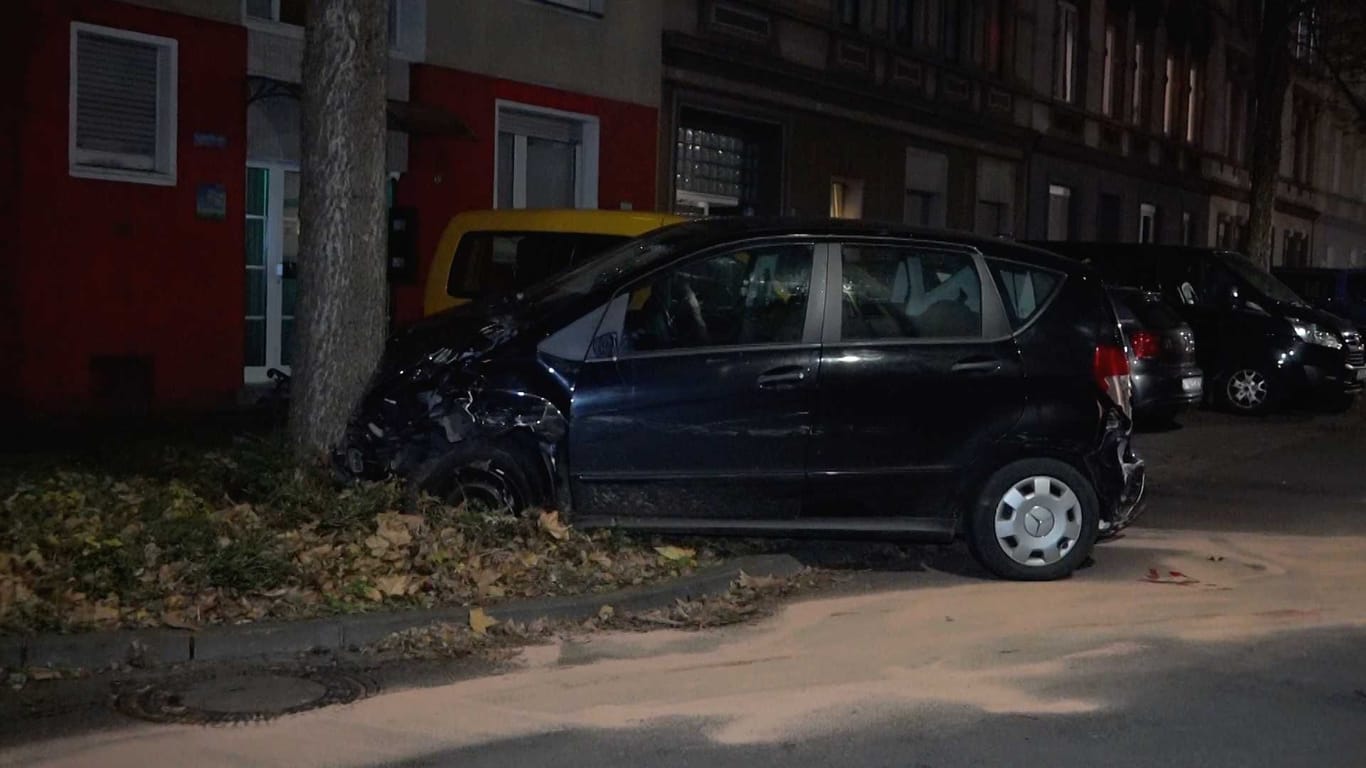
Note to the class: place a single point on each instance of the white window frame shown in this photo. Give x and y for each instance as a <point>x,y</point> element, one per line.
<point>396,41</point>
<point>1063,193</point>
<point>1107,87</point>
<point>585,160</point>
<point>1065,57</point>
<point>1138,97</point>
<point>846,198</point>
<point>1170,97</point>
<point>1192,103</point>
<point>1147,214</point>
<point>163,171</point>
<point>586,7</point>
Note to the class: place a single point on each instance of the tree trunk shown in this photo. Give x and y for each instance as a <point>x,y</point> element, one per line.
<point>1271,78</point>
<point>340,323</point>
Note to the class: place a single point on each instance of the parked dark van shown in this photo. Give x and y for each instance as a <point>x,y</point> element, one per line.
<point>1339,291</point>
<point>781,377</point>
<point>1259,344</point>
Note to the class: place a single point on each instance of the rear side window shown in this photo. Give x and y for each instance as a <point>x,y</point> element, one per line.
<point>1147,309</point>
<point>494,263</point>
<point>1025,289</point>
<point>893,292</point>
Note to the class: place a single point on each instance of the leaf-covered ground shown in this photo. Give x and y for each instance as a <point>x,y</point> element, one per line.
<point>186,537</point>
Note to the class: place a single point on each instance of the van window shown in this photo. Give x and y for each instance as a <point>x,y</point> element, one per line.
<point>496,263</point>
<point>1314,288</point>
<point>1024,289</point>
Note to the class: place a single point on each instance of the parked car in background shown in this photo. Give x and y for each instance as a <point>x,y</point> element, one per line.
<point>488,253</point>
<point>1166,378</point>
<point>781,377</point>
<point>1339,291</point>
<point>1259,344</point>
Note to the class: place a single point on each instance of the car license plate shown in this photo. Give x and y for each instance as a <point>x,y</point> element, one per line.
<point>1191,384</point>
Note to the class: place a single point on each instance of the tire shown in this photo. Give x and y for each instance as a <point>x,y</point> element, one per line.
<point>498,476</point>
<point>1248,390</point>
<point>1339,403</point>
<point>1004,531</point>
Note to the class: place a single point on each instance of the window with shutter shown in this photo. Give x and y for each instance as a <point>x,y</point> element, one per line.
<point>123,106</point>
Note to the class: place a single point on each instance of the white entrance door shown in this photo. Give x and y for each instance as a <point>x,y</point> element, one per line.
<point>272,212</point>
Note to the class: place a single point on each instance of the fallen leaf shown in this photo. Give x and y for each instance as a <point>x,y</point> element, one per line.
<point>394,585</point>
<point>480,621</point>
<point>549,522</point>
<point>601,559</point>
<point>43,673</point>
<point>178,620</point>
<point>485,578</point>
<point>606,612</point>
<point>529,558</point>
<point>674,554</point>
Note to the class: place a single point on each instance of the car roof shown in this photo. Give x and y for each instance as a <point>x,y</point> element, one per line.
<point>1084,249</point>
<point>702,233</point>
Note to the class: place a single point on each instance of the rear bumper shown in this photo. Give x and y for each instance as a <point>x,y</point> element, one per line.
<point>1120,478</point>
<point>1166,389</point>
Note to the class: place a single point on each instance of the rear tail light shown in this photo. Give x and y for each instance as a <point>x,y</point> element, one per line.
<point>1146,345</point>
<point>1111,370</point>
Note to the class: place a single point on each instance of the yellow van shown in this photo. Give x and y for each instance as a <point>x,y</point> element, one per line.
<point>503,251</point>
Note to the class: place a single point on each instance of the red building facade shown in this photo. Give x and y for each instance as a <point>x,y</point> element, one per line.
<point>127,286</point>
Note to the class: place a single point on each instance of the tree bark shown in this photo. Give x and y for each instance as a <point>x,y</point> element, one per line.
<point>1271,79</point>
<point>340,323</point>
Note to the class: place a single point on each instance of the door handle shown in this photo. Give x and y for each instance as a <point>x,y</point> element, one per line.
<point>976,366</point>
<point>786,377</point>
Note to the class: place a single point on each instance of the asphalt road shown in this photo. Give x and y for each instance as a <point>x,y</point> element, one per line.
<point>1228,628</point>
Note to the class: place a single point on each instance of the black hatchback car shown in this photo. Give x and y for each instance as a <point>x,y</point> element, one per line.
<point>1259,344</point>
<point>781,377</point>
<point>1166,379</point>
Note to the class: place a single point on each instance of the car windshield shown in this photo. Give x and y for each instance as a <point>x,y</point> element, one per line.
<point>567,287</point>
<point>1260,280</point>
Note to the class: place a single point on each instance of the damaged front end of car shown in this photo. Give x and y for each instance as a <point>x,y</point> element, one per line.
<point>431,400</point>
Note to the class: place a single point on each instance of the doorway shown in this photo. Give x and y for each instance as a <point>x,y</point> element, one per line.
<point>272,250</point>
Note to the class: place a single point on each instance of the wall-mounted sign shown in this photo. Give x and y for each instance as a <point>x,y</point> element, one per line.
<point>210,140</point>
<point>211,201</point>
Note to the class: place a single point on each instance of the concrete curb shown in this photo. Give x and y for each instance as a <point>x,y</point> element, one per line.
<point>266,640</point>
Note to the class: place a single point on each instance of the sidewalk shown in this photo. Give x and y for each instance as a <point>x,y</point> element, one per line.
<point>267,640</point>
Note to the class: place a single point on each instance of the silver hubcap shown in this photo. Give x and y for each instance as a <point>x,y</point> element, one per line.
<point>1038,521</point>
<point>1247,389</point>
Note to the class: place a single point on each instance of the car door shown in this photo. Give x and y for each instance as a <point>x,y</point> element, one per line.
<point>698,404</point>
<point>918,373</point>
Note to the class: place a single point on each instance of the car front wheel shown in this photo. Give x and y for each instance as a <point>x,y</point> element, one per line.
<point>1035,520</point>
<point>496,477</point>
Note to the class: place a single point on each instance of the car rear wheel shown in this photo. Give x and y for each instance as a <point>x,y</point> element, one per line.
<point>1035,520</point>
<point>493,476</point>
<point>1248,390</point>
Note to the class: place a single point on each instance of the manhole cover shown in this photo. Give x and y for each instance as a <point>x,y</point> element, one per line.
<point>240,698</point>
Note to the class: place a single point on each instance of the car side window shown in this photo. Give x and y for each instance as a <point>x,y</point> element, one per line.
<point>749,296</point>
<point>1025,289</point>
<point>896,292</point>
